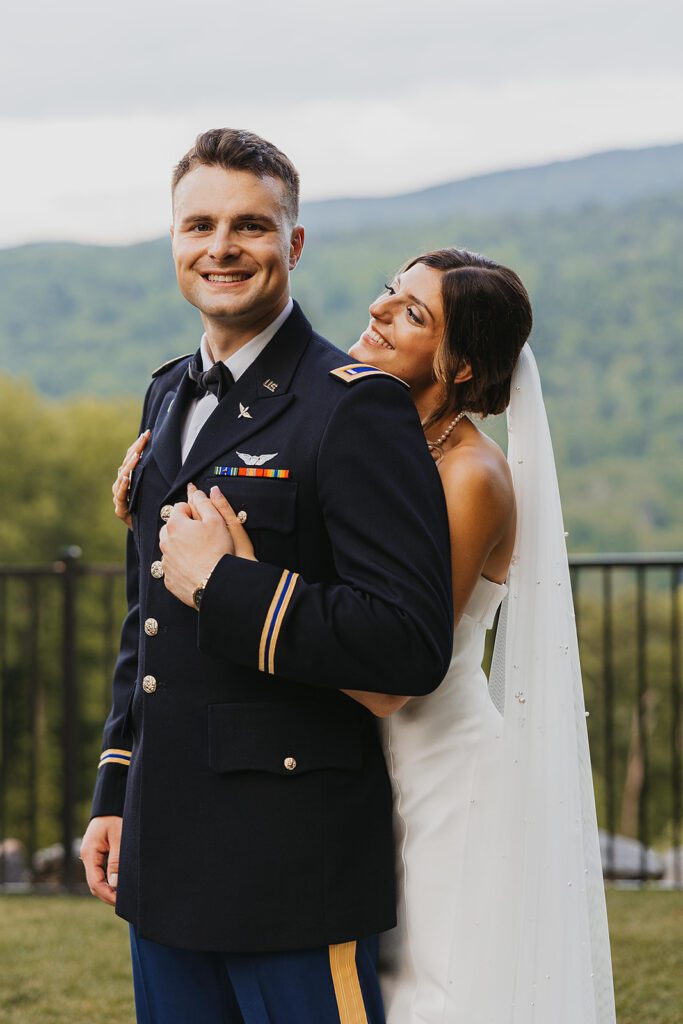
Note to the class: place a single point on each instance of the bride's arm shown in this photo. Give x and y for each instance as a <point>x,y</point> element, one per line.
<point>481,510</point>
<point>481,517</point>
<point>381,704</point>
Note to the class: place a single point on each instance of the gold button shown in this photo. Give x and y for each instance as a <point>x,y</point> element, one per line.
<point>242,516</point>
<point>157,570</point>
<point>290,763</point>
<point>151,627</point>
<point>149,684</point>
<point>166,512</point>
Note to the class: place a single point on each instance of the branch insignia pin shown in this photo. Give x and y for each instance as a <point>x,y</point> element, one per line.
<point>244,412</point>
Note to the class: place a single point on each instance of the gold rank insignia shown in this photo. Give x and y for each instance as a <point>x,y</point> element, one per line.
<point>357,371</point>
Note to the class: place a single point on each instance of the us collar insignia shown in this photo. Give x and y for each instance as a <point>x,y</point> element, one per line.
<point>270,474</point>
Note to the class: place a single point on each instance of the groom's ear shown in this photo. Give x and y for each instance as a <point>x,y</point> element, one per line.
<point>296,245</point>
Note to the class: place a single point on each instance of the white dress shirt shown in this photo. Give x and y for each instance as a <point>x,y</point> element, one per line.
<point>201,408</point>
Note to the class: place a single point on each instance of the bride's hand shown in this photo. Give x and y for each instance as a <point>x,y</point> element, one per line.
<point>234,521</point>
<point>121,485</point>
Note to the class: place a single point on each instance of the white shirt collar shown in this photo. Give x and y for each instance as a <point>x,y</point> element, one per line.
<point>242,359</point>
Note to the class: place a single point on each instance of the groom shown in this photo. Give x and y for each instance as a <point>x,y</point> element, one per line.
<point>247,792</point>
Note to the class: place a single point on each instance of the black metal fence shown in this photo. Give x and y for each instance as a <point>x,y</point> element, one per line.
<point>59,629</point>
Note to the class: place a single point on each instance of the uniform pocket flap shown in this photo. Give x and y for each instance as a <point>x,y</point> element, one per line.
<point>268,504</point>
<point>285,738</point>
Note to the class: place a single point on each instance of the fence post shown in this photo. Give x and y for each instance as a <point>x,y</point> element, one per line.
<point>69,560</point>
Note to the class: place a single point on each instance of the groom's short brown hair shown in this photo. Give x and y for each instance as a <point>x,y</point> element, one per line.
<point>239,150</point>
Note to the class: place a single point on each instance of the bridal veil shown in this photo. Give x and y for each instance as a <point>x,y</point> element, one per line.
<point>535,946</point>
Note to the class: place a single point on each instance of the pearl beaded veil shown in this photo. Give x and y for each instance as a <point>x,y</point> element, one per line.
<point>532,892</point>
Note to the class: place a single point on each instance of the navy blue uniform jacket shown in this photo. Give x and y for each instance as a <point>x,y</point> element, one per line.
<point>257,809</point>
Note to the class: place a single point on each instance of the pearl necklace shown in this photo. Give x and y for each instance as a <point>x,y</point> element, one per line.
<point>432,445</point>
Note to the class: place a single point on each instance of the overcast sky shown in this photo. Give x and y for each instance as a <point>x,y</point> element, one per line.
<point>368,97</point>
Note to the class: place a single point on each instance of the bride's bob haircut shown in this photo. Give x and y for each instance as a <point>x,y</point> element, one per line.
<point>488,318</point>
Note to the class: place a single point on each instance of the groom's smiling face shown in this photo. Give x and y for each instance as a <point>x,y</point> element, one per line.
<point>233,246</point>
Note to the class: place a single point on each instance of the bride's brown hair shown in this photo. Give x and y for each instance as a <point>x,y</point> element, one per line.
<point>488,318</point>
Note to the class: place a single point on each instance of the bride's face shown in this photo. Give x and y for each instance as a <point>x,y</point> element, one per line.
<point>406,327</point>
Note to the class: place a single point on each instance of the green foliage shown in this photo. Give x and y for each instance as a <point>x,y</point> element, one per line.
<point>655,676</point>
<point>57,464</point>
<point>605,285</point>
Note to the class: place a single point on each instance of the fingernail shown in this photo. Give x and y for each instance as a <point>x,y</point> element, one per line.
<point>215,491</point>
<point>113,881</point>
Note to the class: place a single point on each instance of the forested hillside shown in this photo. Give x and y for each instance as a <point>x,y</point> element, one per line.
<point>605,280</point>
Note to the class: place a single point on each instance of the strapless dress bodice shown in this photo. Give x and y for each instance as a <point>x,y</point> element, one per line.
<point>484,601</point>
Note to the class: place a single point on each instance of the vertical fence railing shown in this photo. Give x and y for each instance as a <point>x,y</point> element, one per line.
<point>59,629</point>
<point>676,732</point>
<point>69,566</point>
<point>632,670</point>
<point>4,740</point>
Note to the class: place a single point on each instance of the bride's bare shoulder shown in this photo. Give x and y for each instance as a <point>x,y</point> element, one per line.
<point>476,470</point>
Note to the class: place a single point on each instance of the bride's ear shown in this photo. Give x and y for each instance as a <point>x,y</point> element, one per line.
<point>464,374</point>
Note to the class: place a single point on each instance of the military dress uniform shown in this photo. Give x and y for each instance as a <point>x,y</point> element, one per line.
<point>256,804</point>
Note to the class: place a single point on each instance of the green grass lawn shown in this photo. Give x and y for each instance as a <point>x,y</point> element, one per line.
<point>64,960</point>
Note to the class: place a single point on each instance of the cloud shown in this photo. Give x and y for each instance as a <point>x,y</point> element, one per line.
<point>80,59</point>
<point>98,101</point>
<point>106,179</point>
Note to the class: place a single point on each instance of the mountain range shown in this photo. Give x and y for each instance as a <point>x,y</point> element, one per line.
<point>598,242</point>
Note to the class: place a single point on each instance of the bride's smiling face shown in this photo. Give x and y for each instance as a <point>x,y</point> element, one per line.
<point>406,327</point>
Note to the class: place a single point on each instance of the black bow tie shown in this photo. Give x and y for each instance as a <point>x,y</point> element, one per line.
<point>217,379</point>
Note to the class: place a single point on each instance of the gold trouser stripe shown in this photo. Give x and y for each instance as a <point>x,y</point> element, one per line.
<point>278,623</point>
<point>266,624</point>
<point>114,760</point>
<point>346,984</point>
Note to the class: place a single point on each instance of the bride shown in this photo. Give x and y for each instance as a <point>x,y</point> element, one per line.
<point>501,901</point>
<point>501,916</point>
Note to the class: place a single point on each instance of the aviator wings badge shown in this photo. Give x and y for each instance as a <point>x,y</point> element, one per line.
<point>255,460</point>
<point>244,411</point>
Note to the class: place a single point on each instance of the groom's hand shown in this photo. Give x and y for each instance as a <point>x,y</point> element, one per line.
<point>192,542</point>
<point>100,850</point>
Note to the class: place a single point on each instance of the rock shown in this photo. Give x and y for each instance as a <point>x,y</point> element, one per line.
<point>627,859</point>
<point>48,864</point>
<point>672,872</point>
<point>12,862</point>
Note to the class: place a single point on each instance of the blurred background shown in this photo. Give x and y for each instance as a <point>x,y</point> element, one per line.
<point>548,136</point>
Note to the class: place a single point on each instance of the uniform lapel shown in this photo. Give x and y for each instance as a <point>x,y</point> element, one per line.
<point>165,443</point>
<point>258,397</point>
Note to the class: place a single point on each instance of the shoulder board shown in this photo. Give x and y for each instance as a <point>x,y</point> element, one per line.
<point>169,364</point>
<point>357,371</point>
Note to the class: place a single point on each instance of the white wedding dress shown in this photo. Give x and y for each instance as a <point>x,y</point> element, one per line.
<point>501,910</point>
<point>433,748</point>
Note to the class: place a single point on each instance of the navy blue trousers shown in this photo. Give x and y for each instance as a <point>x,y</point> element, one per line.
<point>332,985</point>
